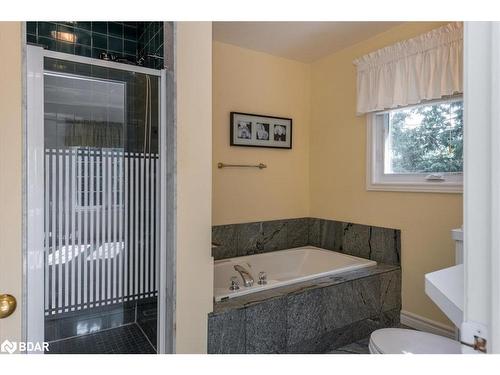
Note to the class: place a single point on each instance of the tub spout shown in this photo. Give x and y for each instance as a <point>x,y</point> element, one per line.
<point>245,275</point>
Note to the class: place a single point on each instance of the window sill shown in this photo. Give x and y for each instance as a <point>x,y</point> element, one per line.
<point>427,187</point>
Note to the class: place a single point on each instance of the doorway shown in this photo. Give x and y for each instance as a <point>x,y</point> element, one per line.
<point>95,172</point>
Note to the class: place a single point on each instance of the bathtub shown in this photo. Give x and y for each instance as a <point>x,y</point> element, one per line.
<point>282,267</point>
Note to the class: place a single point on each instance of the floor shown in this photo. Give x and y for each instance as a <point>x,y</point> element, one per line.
<point>127,339</point>
<point>358,347</point>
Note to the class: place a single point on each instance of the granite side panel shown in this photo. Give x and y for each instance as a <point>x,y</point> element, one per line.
<point>297,234</point>
<point>382,245</point>
<point>356,240</point>
<point>304,316</point>
<point>226,239</point>
<point>326,234</point>
<point>235,240</point>
<point>385,245</point>
<point>314,312</point>
<point>266,327</point>
<point>226,333</point>
<point>390,290</point>
<point>310,318</point>
<point>333,339</point>
<point>273,236</point>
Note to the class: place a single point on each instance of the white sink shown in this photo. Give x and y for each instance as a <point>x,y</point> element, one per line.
<point>446,288</point>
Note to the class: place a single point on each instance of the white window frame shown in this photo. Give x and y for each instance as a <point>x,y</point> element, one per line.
<point>377,180</point>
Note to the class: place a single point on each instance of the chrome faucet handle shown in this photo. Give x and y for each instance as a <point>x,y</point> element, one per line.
<point>262,278</point>
<point>235,285</point>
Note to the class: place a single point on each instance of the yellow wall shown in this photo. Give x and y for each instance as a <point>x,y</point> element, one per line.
<point>324,174</point>
<point>11,174</point>
<point>338,172</point>
<point>194,151</point>
<point>254,82</point>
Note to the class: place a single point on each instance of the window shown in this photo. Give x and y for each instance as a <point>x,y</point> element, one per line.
<point>417,148</point>
<point>98,177</point>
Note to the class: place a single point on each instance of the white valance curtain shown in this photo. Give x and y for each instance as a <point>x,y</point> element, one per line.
<point>427,67</point>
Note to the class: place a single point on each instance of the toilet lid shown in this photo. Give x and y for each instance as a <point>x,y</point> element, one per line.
<point>408,341</point>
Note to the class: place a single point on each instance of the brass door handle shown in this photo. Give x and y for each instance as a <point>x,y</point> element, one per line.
<point>7,305</point>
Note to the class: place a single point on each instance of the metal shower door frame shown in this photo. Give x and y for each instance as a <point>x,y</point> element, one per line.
<point>33,290</point>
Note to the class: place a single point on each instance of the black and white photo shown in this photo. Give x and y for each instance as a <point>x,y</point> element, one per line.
<point>244,130</point>
<point>280,133</point>
<point>262,131</point>
<point>252,130</point>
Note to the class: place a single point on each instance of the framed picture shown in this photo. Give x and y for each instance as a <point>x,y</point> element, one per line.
<point>252,130</point>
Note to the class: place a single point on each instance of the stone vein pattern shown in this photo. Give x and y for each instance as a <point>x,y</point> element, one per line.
<point>317,316</point>
<point>376,243</point>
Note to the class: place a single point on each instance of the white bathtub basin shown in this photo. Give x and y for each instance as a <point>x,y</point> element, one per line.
<point>283,267</point>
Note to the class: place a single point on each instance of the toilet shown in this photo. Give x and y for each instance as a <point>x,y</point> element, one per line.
<point>408,341</point>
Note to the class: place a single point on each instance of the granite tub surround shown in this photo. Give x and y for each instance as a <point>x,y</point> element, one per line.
<point>259,237</point>
<point>382,245</point>
<point>316,316</point>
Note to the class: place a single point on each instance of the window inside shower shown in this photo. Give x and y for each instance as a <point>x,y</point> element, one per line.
<point>101,208</point>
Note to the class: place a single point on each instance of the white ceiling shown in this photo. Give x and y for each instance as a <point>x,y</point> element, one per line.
<point>301,41</point>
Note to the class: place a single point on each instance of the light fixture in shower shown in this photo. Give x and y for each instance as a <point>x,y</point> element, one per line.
<point>63,36</point>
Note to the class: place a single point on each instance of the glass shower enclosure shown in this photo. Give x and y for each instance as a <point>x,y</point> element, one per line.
<point>94,204</point>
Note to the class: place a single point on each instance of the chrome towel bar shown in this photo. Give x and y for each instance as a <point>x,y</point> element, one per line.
<point>224,165</point>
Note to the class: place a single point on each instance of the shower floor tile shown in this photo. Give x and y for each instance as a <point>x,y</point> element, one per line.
<point>128,339</point>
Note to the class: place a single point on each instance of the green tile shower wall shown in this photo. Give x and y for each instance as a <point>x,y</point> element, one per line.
<point>123,39</point>
<point>150,42</point>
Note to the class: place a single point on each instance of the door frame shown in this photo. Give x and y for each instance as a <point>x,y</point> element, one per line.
<point>33,285</point>
<point>482,184</point>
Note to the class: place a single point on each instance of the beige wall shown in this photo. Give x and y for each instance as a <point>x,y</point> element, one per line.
<point>338,172</point>
<point>194,204</point>
<point>254,82</point>
<point>11,174</point>
<point>324,174</point>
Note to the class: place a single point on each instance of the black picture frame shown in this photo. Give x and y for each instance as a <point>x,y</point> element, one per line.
<point>249,138</point>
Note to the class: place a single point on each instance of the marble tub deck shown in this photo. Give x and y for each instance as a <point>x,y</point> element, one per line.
<point>315,316</point>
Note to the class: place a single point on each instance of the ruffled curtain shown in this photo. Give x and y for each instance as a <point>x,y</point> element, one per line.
<point>427,67</point>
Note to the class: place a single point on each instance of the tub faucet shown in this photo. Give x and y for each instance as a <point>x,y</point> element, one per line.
<point>245,275</point>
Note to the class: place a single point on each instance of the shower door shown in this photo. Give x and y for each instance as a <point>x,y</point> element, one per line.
<point>94,203</point>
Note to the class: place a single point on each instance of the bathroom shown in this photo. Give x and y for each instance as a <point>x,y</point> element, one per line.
<point>205,188</point>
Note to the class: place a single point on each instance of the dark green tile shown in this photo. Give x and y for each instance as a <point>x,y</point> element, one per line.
<point>47,43</point>
<point>31,39</point>
<point>45,29</point>
<point>86,25</point>
<point>158,40</point>
<point>159,50</point>
<point>115,29</point>
<point>100,27</point>
<point>65,47</point>
<point>115,44</point>
<point>99,41</point>
<point>129,33</point>
<point>129,47</point>
<point>82,50</point>
<point>83,37</point>
<point>31,28</point>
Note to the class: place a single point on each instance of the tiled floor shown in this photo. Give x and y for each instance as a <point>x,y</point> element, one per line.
<point>128,339</point>
<point>358,347</point>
